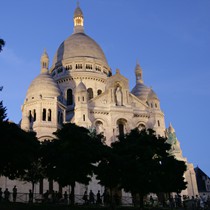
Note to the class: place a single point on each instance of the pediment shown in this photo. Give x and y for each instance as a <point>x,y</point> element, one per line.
<point>117,80</point>
<point>100,100</point>
<point>137,103</point>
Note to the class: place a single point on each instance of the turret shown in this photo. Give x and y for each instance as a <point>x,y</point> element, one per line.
<point>81,107</point>
<point>138,72</point>
<point>81,94</point>
<point>44,62</point>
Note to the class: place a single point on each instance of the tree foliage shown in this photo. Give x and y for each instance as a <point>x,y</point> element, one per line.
<point>2,44</point>
<point>17,147</point>
<point>35,172</point>
<point>3,114</point>
<point>140,163</point>
<point>108,171</point>
<point>148,164</point>
<point>71,157</point>
<point>17,150</point>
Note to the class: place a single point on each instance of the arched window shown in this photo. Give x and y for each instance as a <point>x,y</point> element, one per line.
<point>61,117</point>
<point>69,97</point>
<point>44,115</point>
<point>158,123</point>
<point>90,93</point>
<point>58,116</point>
<point>141,126</point>
<point>121,123</point>
<point>99,92</point>
<point>34,115</point>
<point>89,66</point>
<point>49,115</point>
<point>78,66</point>
<point>99,127</point>
<point>121,129</point>
<point>30,116</point>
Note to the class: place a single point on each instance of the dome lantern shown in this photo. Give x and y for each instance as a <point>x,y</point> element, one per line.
<point>138,72</point>
<point>140,90</point>
<point>78,20</point>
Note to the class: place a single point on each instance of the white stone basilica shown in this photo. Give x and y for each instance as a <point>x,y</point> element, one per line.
<point>81,88</point>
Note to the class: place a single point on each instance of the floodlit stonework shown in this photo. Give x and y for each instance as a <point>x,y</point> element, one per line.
<point>190,176</point>
<point>81,88</point>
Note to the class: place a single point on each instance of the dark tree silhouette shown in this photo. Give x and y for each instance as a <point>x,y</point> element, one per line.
<point>17,150</point>
<point>109,169</point>
<point>70,158</point>
<point>17,147</point>
<point>35,172</point>
<point>140,163</point>
<point>3,114</point>
<point>2,44</point>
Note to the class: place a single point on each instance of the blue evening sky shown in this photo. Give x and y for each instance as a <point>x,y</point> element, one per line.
<point>169,38</point>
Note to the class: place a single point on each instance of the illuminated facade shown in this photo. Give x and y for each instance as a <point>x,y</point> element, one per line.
<point>80,87</point>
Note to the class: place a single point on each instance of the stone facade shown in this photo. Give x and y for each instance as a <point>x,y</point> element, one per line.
<point>189,175</point>
<point>80,88</point>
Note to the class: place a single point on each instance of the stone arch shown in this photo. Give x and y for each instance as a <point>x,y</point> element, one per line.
<point>99,126</point>
<point>99,92</point>
<point>121,126</point>
<point>90,93</point>
<point>141,126</point>
<point>69,97</point>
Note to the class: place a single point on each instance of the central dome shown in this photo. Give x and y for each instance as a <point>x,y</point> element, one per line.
<point>79,45</point>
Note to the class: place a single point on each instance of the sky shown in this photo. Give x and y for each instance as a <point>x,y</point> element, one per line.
<point>169,38</point>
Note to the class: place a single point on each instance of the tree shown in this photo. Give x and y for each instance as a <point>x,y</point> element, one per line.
<point>148,164</point>
<point>36,171</point>
<point>17,150</point>
<point>142,164</point>
<point>108,171</point>
<point>2,43</point>
<point>72,156</point>
<point>3,110</point>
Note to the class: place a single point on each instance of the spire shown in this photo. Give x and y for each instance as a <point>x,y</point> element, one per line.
<point>171,129</point>
<point>44,62</point>
<point>77,3</point>
<point>78,20</point>
<point>138,72</point>
<point>81,87</point>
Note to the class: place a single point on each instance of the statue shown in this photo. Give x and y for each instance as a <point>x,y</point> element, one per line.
<point>118,96</point>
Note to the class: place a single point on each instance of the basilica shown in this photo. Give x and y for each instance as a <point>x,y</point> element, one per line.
<point>81,88</point>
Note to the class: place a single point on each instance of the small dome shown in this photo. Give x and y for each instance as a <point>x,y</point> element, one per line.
<point>152,95</point>
<point>141,91</point>
<point>43,86</point>
<point>81,87</point>
<point>79,46</point>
